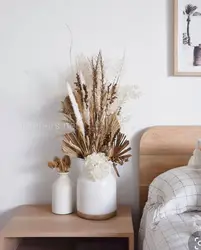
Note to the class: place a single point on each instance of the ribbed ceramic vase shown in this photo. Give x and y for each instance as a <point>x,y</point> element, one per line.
<point>96,199</point>
<point>62,195</point>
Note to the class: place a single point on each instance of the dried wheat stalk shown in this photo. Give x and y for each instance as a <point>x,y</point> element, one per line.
<point>101,127</point>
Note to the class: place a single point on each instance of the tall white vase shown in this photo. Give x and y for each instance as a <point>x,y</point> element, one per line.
<point>62,195</point>
<point>96,199</point>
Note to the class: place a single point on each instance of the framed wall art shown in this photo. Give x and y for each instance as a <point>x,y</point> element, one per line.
<point>187,37</point>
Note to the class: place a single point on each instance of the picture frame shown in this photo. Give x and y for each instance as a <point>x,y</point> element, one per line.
<point>187,37</point>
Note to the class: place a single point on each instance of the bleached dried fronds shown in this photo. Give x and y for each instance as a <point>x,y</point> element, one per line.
<point>76,111</point>
<point>91,109</point>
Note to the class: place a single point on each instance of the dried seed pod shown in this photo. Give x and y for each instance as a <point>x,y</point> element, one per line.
<point>61,165</point>
<point>66,160</point>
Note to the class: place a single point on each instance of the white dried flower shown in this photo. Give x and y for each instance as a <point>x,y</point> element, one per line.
<point>127,93</point>
<point>98,166</point>
<point>124,119</point>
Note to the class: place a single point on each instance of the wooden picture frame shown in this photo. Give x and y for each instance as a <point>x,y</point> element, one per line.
<point>187,38</point>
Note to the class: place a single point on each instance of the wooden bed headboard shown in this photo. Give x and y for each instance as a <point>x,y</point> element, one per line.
<point>163,148</point>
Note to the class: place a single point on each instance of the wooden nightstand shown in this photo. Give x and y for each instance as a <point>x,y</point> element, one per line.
<point>33,224</point>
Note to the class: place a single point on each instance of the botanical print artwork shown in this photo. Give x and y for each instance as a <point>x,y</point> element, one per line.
<point>188,37</point>
<point>190,13</point>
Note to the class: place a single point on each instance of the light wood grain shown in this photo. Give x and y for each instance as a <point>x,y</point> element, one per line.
<point>153,165</point>
<point>176,72</point>
<point>38,221</point>
<point>97,217</point>
<point>170,140</point>
<point>9,243</point>
<point>163,148</point>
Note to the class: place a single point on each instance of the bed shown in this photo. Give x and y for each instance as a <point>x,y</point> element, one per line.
<point>161,149</point>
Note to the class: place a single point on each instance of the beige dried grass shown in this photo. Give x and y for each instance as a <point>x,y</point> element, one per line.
<point>102,128</point>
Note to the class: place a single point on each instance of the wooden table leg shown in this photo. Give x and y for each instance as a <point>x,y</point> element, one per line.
<point>1,242</point>
<point>9,243</point>
<point>131,242</point>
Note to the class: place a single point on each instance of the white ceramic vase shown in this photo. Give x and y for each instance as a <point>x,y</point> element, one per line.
<point>62,195</point>
<point>96,199</point>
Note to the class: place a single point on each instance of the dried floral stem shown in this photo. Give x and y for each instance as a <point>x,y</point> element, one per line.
<point>100,131</point>
<point>115,169</point>
<point>61,165</point>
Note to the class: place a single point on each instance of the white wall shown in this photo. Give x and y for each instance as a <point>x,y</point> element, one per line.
<point>34,56</point>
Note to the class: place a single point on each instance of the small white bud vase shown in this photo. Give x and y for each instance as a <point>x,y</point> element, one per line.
<point>96,198</point>
<point>62,195</point>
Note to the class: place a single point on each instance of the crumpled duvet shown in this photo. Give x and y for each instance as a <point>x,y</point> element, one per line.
<point>174,232</point>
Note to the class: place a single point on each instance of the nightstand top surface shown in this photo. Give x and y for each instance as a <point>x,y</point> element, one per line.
<point>39,221</point>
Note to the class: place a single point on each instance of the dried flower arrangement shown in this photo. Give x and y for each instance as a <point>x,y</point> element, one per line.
<point>93,111</point>
<point>61,165</point>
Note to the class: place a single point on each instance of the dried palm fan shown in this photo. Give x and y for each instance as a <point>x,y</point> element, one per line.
<point>87,109</point>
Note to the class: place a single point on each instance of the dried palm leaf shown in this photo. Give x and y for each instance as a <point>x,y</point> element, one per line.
<point>119,149</point>
<point>79,121</point>
<point>90,111</point>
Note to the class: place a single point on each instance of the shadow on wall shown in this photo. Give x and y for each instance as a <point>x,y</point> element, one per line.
<point>45,131</point>
<point>48,131</point>
<point>46,146</point>
<point>128,184</point>
<point>5,216</point>
<point>135,162</point>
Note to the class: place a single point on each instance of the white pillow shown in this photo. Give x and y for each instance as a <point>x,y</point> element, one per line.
<point>175,191</point>
<point>195,160</point>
